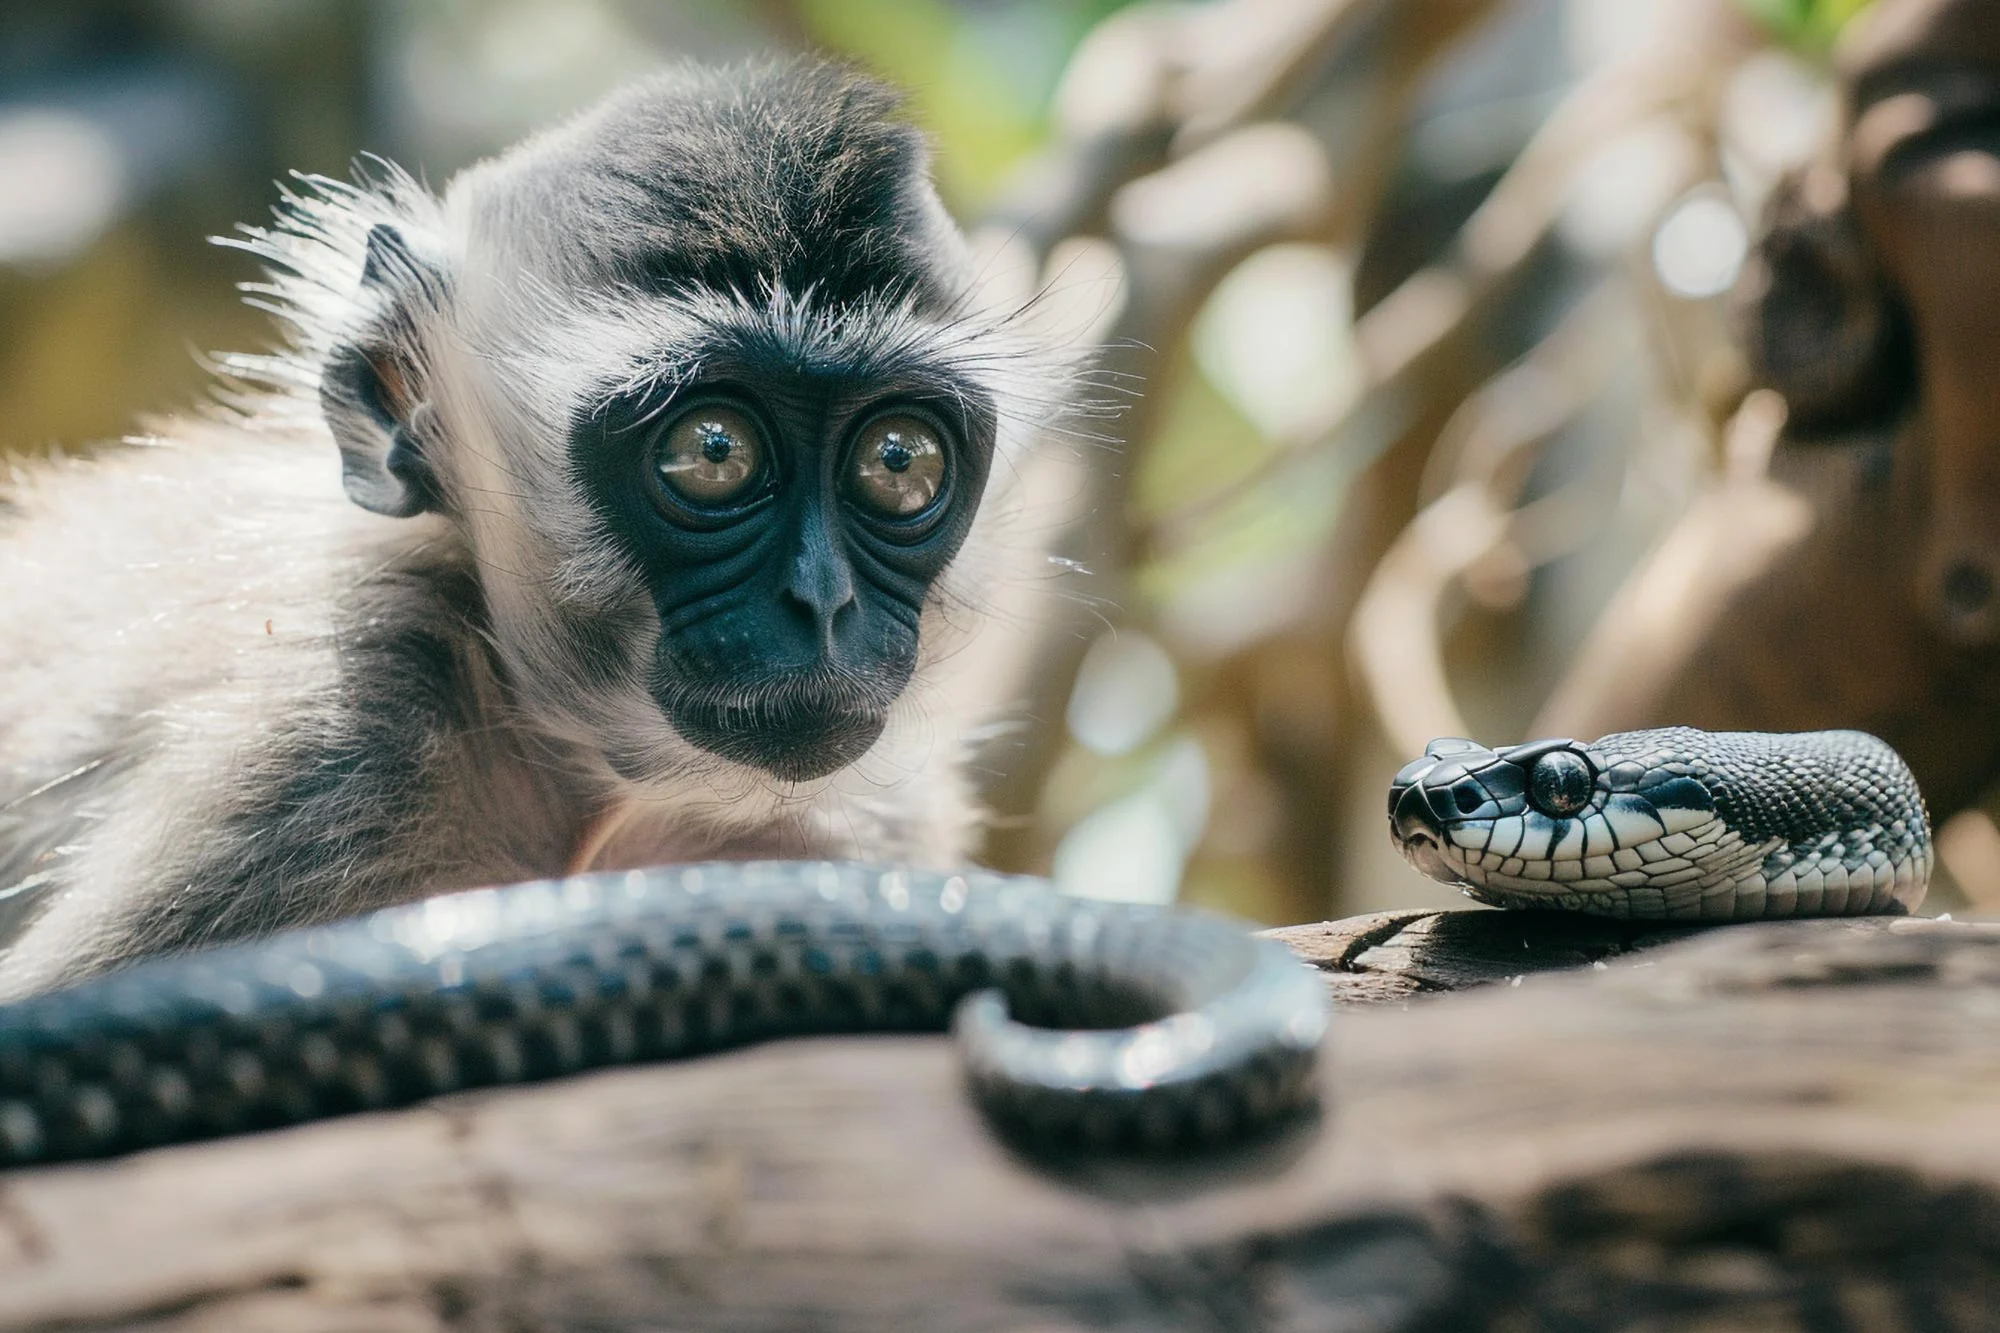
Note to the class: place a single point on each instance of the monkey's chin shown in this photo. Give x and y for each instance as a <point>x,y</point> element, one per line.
<point>793,743</point>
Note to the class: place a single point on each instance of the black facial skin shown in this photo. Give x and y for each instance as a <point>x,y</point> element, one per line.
<point>788,613</point>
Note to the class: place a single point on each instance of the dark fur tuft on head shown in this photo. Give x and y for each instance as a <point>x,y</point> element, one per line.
<point>796,172</point>
<point>1817,318</point>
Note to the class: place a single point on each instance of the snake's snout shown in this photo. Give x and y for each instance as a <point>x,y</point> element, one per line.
<point>1410,811</point>
<point>1428,795</point>
<point>1414,813</point>
<point>1421,849</point>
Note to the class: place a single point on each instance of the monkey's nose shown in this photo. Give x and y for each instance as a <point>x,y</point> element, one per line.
<point>820,587</point>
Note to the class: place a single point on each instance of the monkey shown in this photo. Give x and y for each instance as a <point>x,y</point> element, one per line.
<point>629,500</point>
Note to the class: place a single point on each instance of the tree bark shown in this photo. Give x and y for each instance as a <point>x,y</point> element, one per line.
<point>1768,1127</point>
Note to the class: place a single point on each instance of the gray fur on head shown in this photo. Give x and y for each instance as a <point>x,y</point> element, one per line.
<point>368,634</point>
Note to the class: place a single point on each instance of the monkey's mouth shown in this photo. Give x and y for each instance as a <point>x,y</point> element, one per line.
<point>794,729</point>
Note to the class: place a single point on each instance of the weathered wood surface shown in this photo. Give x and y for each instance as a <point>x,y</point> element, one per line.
<point>1766,1127</point>
<point>1421,951</point>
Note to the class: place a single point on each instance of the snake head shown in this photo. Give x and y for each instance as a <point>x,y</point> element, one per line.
<point>1536,817</point>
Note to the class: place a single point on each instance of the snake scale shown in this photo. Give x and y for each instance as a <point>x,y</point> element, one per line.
<point>1162,1027</point>
<point>1079,1023</point>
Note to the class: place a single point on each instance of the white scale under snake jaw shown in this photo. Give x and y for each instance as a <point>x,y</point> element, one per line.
<point>1672,823</point>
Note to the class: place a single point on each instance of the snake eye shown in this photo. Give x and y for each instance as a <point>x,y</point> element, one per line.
<point>1560,784</point>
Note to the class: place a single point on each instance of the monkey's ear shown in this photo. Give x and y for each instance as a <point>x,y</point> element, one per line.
<point>372,390</point>
<point>1818,319</point>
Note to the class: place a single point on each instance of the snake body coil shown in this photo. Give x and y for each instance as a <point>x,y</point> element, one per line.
<point>1673,823</point>
<point>1183,1028</point>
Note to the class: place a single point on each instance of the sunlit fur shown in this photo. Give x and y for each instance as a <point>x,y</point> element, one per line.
<point>234,701</point>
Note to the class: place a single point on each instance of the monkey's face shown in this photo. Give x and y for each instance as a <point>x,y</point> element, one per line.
<point>788,520</point>
<point>701,381</point>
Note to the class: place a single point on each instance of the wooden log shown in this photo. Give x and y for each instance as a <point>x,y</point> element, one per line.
<point>1766,1127</point>
<point>1395,955</point>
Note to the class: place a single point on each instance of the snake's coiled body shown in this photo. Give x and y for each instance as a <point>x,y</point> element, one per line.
<point>1672,823</point>
<point>1183,1027</point>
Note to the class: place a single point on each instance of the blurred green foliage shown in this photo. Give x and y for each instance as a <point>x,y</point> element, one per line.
<point>1806,25</point>
<point>979,77</point>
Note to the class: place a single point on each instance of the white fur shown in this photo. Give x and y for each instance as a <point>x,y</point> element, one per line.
<point>170,611</point>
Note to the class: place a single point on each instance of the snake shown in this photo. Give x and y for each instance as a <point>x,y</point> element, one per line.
<point>1671,823</point>
<point>1079,1023</point>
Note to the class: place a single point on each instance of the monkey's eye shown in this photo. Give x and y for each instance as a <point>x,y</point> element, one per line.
<point>898,466</point>
<point>711,457</point>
